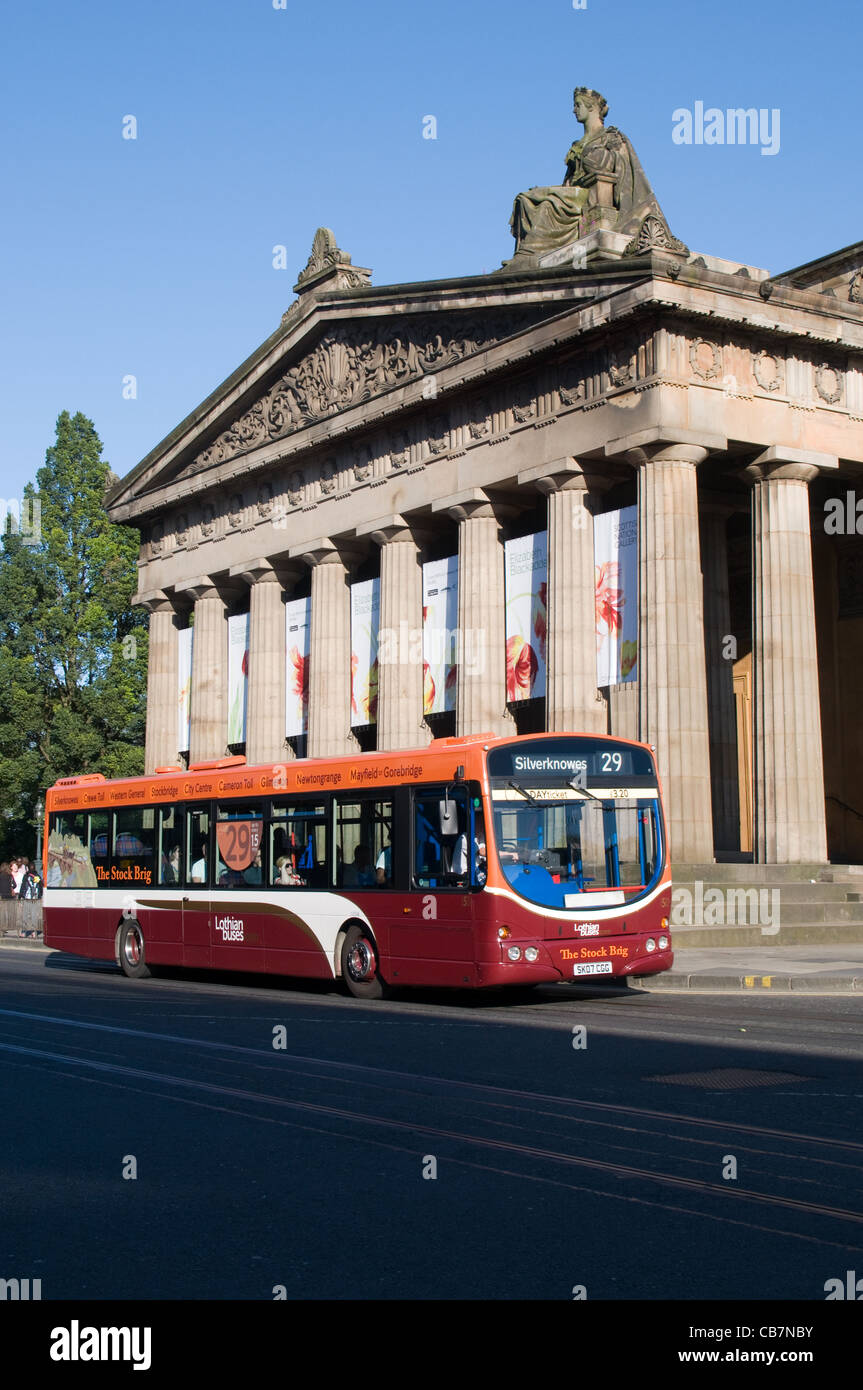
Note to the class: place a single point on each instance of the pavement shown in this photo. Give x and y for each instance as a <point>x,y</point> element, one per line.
<point>717,969</point>
<point>752,970</point>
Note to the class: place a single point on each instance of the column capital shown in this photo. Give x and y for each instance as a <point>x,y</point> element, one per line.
<point>663,444</point>
<point>155,601</point>
<point>474,502</point>
<point>263,571</point>
<point>786,464</point>
<point>564,475</point>
<point>325,551</point>
<point>202,587</point>
<point>394,530</point>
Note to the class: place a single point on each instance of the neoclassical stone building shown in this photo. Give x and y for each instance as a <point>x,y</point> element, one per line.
<point>379,428</point>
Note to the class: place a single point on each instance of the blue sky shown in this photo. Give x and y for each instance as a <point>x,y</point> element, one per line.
<point>154,257</point>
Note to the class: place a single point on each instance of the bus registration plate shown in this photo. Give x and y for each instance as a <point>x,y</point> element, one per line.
<point>598,967</point>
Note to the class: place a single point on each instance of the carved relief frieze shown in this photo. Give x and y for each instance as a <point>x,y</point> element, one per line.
<point>264,502</point>
<point>438,438</point>
<point>828,383</point>
<point>208,521</point>
<point>621,367</point>
<point>329,477</point>
<point>352,364</point>
<point>296,487</point>
<point>855,288</point>
<point>236,511</point>
<point>570,383</point>
<point>767,369</point>
<point>524,404</point>
<point>705,359</point>
<point>399,449</point>
<point>479,419</point>
<point>361,463</point>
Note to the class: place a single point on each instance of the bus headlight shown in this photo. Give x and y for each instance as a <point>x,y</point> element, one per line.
<point>531,953</point>
<point>514,952</point>
<point>650,945</point>
<point>663,943</point>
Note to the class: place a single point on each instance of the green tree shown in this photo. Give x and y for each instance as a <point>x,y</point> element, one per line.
<point>73,651</point>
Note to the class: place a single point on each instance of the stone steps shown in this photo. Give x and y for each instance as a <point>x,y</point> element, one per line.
<point>814,904</point>
<point>754,873</point>
<point>831,934</point>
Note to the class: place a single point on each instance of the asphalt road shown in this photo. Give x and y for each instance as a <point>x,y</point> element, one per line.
<point>302,1166</point>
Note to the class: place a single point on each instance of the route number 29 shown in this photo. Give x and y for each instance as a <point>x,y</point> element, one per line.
<point>612,762</point>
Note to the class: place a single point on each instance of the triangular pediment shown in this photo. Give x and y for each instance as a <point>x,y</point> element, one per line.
<point>356,362</point>
<point>349,359</point>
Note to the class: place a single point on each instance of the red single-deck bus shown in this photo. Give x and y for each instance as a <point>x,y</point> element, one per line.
<point>477,861</point>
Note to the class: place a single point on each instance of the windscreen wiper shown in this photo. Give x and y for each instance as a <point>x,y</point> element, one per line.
<point>576,787</point>
<point>525,793</point>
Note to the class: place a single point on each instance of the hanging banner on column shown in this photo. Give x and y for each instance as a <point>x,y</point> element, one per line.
<point>298,628</point>
<point>365,621</point>
<point>440,634</point>
<point>184,688</point>
<point>238,676</point>
<point>526,578</point>
<point>615,543</point>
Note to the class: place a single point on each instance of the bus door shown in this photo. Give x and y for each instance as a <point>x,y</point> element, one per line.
<point>433,941</point>
<point>237,921</point>
<point>196,894</point>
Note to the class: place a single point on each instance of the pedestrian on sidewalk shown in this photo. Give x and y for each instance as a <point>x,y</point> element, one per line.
<point>6,883</point>
<point>19,868</point>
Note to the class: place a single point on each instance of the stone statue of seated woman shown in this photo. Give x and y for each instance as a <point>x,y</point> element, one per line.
<point>604,186</point>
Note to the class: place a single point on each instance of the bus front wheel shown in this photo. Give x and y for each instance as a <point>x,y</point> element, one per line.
<point>131,952</point>
<point>360,965</point>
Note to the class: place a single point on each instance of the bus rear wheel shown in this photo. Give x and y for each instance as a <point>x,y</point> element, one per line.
<point>360,966</point>
<point>131,952</point>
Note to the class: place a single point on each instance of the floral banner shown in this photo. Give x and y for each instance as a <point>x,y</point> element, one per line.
<point>526,575</point>
<point>365,620</point>
<point>238,676</point>
<point>615,541</point>
<point>298,627</point>
<point>440,633</point>
<point>184,688</point>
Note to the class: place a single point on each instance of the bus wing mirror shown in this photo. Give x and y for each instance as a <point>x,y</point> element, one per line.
<point>448,817</point>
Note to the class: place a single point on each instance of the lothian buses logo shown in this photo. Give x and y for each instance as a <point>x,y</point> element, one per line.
<point>230,928</point>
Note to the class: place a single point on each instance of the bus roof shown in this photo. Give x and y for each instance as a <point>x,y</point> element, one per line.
<point>233,777</point>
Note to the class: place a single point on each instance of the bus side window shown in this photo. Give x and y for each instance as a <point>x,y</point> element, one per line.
<point>440,820</point>
<point>363,837</point>
<point>170,846</point>
<point>198,847</point>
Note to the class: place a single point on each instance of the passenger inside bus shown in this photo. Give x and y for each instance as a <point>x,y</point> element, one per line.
<point>171,865</point>
<point>286,873</point>
<point>199,868</point>
<point>359,874</point>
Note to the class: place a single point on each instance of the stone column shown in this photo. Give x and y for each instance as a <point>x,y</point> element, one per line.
<point>790,824</point>
<point>160,748</point>
<point>481,703</point>
<point>209,732</point>
<point>672,685</point>
<point>572,701</point>
<point>400,649</point>
<point>329,651</point>
<point>265,728</point>
<point>722,719</point>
